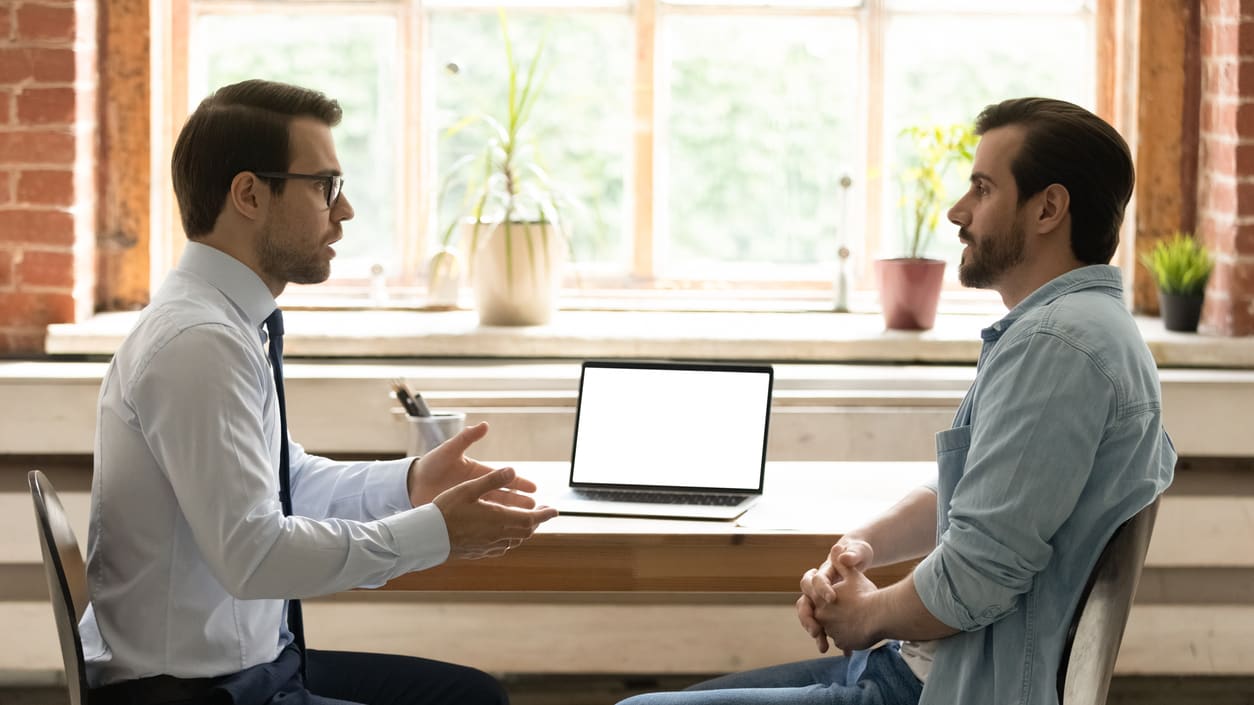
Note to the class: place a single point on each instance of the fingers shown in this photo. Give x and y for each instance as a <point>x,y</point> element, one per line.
<point>805,613</point>
<point>466,437</point>
<point>817,586</point>
<point>848,572</point>
<point>510,499</point>
<point>484,484</point>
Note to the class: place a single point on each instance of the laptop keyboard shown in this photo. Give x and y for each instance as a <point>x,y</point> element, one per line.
<point>695,498</point>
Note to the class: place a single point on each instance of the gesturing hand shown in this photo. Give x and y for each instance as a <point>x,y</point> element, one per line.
<point>481,528</point>
<point>447,466</point>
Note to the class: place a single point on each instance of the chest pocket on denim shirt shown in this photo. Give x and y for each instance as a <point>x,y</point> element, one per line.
<point>951,461</point>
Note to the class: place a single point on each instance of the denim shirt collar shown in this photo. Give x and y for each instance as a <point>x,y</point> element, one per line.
<point>1103,277</point>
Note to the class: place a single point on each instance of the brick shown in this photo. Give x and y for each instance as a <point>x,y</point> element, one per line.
<point>1219,197</point>
<point>6,269</point>
<point>1215,230</point>
<point>1222,76</point>
<point>1218,118</point>
<point>45,22</point>
<point>6,187</point>
<point>1226,39</point>
<point>48,65</point>
<point>1232,278</point>
<point>6,108</point>
<point>6,22</point>
<point>23,308</point>
<point>1219,39</point>
<point>45,106</point>
<point>15,65</point>
<point>49,188</point>
<point>44,227</point>
<point>1245,120</point>
<point>22,341</point>
<point>48,146</point>
<point>1225,238</point>
<point>1245,77</point>
<point>1217,157</point>
<point>1227,317</point>
<point>1245,37</point>
<point>1245,160</point>
<point>41,268</point>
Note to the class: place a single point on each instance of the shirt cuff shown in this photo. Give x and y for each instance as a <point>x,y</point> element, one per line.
<point>388,484</point>
<point>938,596</point>
<point>421,538</point>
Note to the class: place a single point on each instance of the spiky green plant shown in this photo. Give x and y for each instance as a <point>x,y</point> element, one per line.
<point>1179,264</point>
<point>505,183</point>
<point>936,149</point>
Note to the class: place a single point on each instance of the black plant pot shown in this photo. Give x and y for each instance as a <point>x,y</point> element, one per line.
<point>1180,312</point>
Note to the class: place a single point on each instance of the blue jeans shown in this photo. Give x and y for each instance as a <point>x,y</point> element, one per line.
<point>878,677</point>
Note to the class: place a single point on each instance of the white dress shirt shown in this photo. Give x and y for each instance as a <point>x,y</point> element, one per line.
<point>189,556</point>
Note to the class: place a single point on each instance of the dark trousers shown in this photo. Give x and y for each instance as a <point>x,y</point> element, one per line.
<point>336,677</point>
<point>333,678</point>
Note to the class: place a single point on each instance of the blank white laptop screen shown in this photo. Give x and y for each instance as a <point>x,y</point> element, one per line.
<point>671,426</point>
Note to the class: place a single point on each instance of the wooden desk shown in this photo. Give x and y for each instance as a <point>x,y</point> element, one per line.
<point>806,507</point>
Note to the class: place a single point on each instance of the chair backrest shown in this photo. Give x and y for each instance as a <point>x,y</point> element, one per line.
<point>1088,658</point>
<point>67,579</point>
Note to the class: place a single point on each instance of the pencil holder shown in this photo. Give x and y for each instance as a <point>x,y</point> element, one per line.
<point>427,432</point>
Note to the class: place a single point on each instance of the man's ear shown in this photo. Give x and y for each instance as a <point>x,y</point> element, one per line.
<point>1055,206</point>
<point>249,195</point>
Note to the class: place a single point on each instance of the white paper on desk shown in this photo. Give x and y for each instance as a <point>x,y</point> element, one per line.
<point>820,516</point>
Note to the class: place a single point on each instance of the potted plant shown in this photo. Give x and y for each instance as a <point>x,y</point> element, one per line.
<point>910,286</point>
<point>1180,266</point>
<point>511,215</point>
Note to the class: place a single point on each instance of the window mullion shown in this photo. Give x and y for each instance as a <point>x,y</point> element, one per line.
<point>643,137</point>
<point>873,30</point>
<point>413,196</point>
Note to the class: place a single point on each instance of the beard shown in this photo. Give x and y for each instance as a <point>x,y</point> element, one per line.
<point>986,259</point>
<point>286,256</point>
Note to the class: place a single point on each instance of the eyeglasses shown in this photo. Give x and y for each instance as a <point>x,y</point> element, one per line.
<point>331,183</point>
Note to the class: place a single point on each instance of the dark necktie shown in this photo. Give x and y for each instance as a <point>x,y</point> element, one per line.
<point>274,329</point>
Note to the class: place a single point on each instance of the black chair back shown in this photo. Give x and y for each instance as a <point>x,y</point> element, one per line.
<point>67,579</point>
<point>1088,658</point>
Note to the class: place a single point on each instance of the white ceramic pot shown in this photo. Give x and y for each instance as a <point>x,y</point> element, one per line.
<point>516,272</point>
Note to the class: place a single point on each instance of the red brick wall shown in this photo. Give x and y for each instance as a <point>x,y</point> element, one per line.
<point>47,138</point>
<point>1226,164</point>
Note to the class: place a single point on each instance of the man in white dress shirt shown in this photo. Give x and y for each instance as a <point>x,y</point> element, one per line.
<point>195,561</point>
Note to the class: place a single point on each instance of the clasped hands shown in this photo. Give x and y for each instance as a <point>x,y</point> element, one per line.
<point>483,508</point>
<point>835,597</point>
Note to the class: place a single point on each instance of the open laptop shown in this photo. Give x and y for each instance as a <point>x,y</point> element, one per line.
<point>669,439</point>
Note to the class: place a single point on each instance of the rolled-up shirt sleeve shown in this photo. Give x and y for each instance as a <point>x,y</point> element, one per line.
<point>1044,406</point>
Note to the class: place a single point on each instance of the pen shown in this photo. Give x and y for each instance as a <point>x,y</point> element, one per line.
<point>413,402</point>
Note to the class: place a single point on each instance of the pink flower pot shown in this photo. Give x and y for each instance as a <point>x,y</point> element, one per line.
<point>910,291</point>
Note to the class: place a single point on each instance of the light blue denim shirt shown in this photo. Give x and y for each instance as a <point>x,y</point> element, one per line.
<point>1057,443</point>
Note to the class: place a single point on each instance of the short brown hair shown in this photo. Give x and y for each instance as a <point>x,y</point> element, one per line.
<point>1068,145</point>
<point>240,127</point>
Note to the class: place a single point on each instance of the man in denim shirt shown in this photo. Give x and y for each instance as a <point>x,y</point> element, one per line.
<point>1057,443</point>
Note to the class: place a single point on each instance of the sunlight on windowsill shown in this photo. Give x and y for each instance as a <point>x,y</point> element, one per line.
<point>797,336</point>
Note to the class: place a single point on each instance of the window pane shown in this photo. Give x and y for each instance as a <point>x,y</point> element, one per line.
<point>353,60</point>
<point>579,126</point>
<point>824,4</point>
<point>991,6</point>
<point>932,79</point>
<point>756,141</point>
